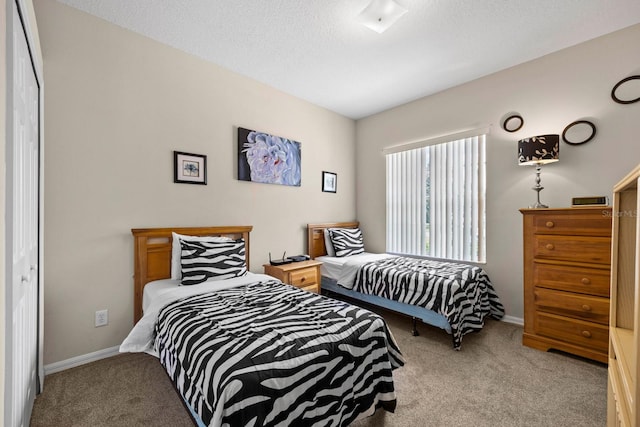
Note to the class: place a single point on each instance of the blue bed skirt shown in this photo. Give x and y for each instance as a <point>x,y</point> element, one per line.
<point>427,316</point>
<point>194,416</point>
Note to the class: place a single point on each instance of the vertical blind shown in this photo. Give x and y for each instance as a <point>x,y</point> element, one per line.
<point>436,200</point>
<point>406,201</point>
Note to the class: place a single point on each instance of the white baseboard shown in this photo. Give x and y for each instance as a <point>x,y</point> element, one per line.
<point>80,360</point>
<point>514,320</point>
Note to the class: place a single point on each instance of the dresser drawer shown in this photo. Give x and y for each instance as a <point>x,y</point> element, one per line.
<point>573,248</point>
<point>304,277</point>
<point>586,334</point>
<point>586,224</point>
<point>583,280</point>
<point>592,309</point>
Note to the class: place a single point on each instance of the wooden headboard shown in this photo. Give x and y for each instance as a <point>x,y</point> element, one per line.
<point>315,236</point>
<point>152,254</point>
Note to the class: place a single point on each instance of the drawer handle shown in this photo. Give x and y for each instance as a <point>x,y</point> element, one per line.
<point>550,224</point>
<point>586,334</point>
<point>302,279</point>
<point>586,307</point>
<point>549,246</point>
<point>586,281</point>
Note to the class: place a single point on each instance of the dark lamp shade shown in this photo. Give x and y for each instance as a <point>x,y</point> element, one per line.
<point>539,149</point>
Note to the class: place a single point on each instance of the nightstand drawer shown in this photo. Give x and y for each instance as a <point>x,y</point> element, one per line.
<point>573,248</point>
<point>575,331</point>
<point>315,288</point>
<point>575,224</point>
<point>592,309</point>
<point>304,277</point>
<point>590,281</point>
<point>304,274</point>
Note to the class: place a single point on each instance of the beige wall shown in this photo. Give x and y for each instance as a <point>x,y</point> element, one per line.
<point>549,93</point>
<point>117,106</point>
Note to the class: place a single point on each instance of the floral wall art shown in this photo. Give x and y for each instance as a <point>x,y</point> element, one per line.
<point>189,168</point>
<point>268,158</point>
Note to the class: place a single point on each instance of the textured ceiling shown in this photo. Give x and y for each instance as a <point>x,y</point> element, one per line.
<point>315,49</point>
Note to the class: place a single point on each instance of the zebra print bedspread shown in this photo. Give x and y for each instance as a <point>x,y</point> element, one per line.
<point>270,354</point>
<point>460,292</point>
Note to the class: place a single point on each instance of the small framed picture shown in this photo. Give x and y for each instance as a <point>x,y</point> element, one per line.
<point>189,168</point>
<point>329,182</point>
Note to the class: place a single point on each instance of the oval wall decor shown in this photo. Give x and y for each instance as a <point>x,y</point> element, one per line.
<point>513,123</point>
<point>626,88</point>
<point>579,132</point>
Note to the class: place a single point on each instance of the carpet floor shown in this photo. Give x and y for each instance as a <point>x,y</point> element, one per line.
<point>493,381</point>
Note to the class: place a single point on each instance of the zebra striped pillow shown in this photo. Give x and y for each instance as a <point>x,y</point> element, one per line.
<point>202,261</point>
<point>176,249</point>
<point>346,241</point>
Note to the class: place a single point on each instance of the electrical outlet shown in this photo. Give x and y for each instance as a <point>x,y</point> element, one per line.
<point>102,318</point>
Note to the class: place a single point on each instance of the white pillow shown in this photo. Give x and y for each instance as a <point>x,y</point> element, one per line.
<point>327,243</point>
<point>176,250</point>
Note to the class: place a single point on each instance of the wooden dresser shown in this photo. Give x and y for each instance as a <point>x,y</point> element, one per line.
<point>304,274</point>
<point>567,257</point>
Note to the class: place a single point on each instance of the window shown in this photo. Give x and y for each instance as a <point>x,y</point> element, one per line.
<point>436,199</point>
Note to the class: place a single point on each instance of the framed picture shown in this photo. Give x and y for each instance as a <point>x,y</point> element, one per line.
<point>329,182</point>
<point>189,168</point>
<point>268,158</point>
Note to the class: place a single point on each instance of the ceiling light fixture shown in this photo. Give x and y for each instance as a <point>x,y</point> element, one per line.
<point>381,14</point>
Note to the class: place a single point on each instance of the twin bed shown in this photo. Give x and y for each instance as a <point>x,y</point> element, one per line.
<point>451,296</point>
<point>246,349</point>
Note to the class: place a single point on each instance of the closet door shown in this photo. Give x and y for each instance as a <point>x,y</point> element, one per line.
<point>22,339</point>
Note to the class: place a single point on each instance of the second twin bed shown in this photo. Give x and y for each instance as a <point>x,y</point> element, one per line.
<point>452,296</point>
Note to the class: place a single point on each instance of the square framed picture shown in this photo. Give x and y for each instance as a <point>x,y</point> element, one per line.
<point>329,182</point>
<point>189,168</point>
<point>269,159</point>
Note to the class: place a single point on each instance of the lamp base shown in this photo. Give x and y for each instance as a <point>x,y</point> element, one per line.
<point>537,189</point>
<point>538,206</point>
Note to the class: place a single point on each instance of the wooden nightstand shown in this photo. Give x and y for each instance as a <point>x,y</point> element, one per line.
<point>303,274</point>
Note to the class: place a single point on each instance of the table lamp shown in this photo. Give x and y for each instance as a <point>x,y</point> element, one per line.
<point>538,150</point>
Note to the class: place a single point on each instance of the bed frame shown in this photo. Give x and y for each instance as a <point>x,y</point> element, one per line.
<point>152,254</point>
<point>316,247</point>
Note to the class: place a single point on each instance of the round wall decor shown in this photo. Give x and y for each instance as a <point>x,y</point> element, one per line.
<point>579,132</point>
<point>513,123</point>
<point>624,88</point>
